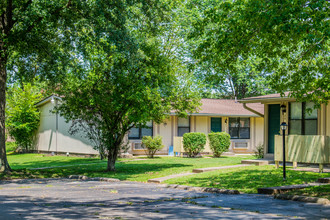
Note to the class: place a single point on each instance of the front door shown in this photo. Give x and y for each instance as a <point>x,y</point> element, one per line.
<point>216,124</point>
<point>274,119</point>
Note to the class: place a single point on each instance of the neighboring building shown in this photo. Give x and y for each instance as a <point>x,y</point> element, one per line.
<point>309,131</point>
<point>53,135</point>
<point>245,128</point>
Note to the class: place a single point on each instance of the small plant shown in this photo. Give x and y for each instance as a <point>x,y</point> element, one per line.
<point>219,142</point>
<point>194,143</point>
<point>152,145</point>
<point>259,151</point>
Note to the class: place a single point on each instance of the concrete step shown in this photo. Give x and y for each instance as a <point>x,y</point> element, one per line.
<point>283,189</point>
<point>162,179</point>
<point>256,162</point>
<point>202,170</point>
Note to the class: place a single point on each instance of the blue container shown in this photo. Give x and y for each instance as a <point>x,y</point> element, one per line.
<point>170,151</point>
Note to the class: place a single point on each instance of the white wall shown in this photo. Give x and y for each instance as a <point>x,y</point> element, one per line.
<point>61,141</point>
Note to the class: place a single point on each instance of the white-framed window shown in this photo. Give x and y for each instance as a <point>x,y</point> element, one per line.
<point>183,126</point>
<point>139,132</point>
<point>302,121</point>
<point>239,128</point>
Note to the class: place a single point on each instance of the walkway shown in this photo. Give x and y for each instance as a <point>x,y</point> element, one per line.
<point>194,171</point>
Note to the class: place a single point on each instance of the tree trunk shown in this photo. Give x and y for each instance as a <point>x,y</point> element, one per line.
<point>112,157</point>
<point>4,166</point>
<point>111,162</point>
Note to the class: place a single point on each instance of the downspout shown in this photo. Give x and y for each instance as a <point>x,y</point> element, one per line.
<point>252,110</point>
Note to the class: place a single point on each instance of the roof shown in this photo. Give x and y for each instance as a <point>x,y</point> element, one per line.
<point>228,107</point>
<point>48,99</point>
<point>270,97</point>
<point>210,107</point>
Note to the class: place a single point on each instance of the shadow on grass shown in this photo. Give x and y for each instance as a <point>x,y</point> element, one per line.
<point>123,171</point>
<point>249,180</point>
<point>29,161</point>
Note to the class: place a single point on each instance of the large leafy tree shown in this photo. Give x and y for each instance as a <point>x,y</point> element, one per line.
<point>33,35</point>
<point>287,39</point>
<point>126,74</point>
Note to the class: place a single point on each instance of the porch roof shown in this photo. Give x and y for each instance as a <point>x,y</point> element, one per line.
<point>268,98</point>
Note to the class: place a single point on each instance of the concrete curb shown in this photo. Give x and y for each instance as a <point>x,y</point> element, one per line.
<point>302,199</point>
<point>81,177</point>
<point>203,189</point>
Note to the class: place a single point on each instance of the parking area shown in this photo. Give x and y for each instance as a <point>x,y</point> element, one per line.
<point>71,199</point>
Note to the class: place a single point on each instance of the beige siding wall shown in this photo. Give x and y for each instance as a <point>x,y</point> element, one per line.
<point>61,141</point>
<point>168,130</point>
<point>202,124</point>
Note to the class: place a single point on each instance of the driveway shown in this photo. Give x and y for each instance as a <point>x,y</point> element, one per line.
<point>70,199</point>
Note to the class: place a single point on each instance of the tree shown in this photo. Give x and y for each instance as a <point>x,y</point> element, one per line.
<point>22,115</point>
<point>126,75</point>
<point>287,39</point>
<point>35,36</point>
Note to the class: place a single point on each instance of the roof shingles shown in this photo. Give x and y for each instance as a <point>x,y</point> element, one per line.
<point>228,107</point>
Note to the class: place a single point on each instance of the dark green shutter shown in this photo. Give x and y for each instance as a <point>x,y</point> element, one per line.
<point>216,124</point>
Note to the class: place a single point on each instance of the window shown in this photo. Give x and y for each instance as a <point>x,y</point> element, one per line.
<point>139,132</point>
<point>301,121</point>
<point>183,126</point>
<point>239,128</point>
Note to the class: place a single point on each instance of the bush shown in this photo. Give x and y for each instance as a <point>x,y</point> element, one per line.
<point>259,151</point>
<point>22,115</point>
<point>219,143</point>
<point>10,146</point>
<point>152,145</point>
<point>193,143</point>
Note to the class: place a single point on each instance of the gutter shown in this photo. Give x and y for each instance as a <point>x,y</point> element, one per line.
<point>252,110</point>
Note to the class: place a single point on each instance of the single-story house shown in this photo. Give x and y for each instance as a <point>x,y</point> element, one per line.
<point>244,126</point>
<point>308,128</point>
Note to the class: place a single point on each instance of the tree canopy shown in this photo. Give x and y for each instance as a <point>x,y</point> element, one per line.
<point>288,40</point>
<point>35,39</point>
<point>126,74</point>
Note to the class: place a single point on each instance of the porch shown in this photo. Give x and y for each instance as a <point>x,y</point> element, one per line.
<point>314,149</point>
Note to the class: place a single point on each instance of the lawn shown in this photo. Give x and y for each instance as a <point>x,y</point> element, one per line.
<point>247,179</point>
<point>126,169</point>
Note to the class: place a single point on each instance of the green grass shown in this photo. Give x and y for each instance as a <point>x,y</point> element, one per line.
<point>125,169</point>
<point>27,161</point>
<point>247,179</point>
<point>322,191</point>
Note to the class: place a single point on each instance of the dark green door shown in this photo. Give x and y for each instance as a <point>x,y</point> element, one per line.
<point>216,124</point>
<point>273,125</point>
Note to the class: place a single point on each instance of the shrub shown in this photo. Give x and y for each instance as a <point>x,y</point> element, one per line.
<point>259,151</point>
<point>193,143</point>
<point>152,145</point>
<point>22,115</point>
<point>10,147</point>
<point>219,143</point>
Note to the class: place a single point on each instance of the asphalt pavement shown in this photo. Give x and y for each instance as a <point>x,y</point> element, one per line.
<point>72,199</point>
